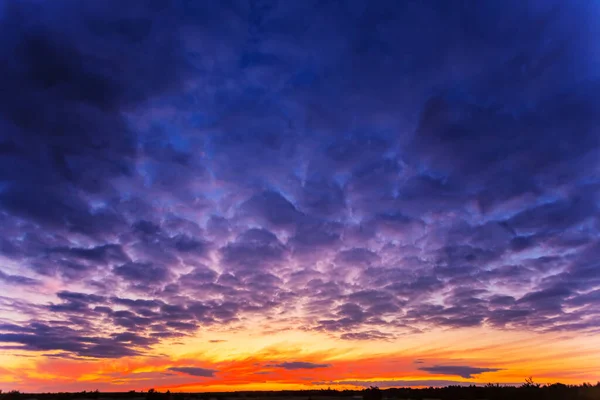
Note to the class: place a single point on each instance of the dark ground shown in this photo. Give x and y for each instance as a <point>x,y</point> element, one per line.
<point>489,392</point>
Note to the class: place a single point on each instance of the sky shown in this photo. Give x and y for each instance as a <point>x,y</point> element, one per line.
<point>264,195</point>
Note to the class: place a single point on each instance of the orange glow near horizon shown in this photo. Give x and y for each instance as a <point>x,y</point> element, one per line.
<point>241,364</point>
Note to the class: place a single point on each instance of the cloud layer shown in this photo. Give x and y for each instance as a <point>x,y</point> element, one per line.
<point>318,166</point>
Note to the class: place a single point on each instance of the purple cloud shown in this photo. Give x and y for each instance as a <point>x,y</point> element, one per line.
<point>294,365</point>
<point>463,371</point>
<point>195,371</point>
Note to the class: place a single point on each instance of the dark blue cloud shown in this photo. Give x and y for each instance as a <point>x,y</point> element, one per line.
<point>63,129</point>
<point>175,164</point>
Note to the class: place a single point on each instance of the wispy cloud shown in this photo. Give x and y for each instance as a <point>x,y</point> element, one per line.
<point>293,365</point>
<point>195,371</point>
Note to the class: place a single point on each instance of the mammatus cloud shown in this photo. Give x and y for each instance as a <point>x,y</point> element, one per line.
<point>463,371</point>
<point>194,371</point>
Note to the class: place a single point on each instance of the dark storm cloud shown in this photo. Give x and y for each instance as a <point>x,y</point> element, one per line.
<point>63,132</point>
<point>464,371</point>
<point>197,156</point>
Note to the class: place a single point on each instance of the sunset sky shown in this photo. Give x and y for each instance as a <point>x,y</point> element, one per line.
<point>263,195</point>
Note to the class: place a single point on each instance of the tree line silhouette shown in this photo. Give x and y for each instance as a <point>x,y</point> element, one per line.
<point>528,391</point>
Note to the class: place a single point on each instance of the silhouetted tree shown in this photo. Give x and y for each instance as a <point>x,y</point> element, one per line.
<point>372,393</point>
<point>10,395</point>
<point>156,395</point>
<point>529,383</point>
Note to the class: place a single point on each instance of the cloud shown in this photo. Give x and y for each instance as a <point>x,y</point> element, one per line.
<point>239,182</point>
<point>195,371</point>
<point>367,335</point>
<point>323,198</point>
<point>18,280</point>
<point>356,256</point>
<point>59,155</point>
<point>42,337</point>
<point>145,273</point>
<point>254,248</point>
<point>463,371</point>
<point>103,254</point>
<point>294,365</point>
<point>272,208</point>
